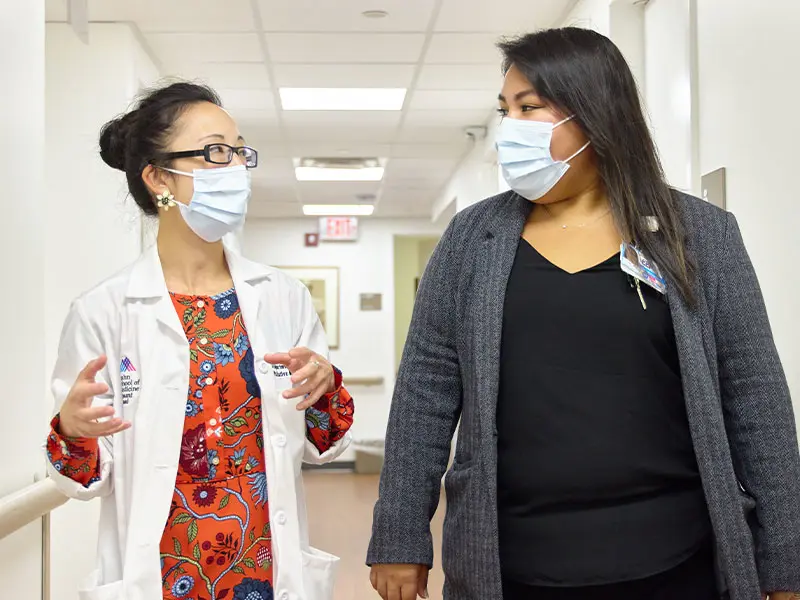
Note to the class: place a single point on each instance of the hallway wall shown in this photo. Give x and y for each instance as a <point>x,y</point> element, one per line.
<point>91,230</point>
<point>21,303</point>
<point>367,347</point>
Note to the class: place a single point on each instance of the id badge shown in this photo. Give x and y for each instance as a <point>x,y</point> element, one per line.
<point>637,266</point>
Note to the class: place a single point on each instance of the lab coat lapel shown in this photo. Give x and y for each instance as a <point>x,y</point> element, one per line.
<point>147,283</point>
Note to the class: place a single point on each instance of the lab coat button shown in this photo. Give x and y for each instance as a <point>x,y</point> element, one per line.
<point>280,441</point>
<point>280,517</point>
<point>263,367</point>
<point>284,595</point>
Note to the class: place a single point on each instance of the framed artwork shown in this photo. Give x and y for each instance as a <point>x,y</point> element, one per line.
<point>323,284</point>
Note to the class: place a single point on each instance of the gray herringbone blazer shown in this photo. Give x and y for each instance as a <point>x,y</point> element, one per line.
<point>736,394</point>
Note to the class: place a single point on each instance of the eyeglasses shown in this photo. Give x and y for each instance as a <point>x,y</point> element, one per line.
<point>219,154</point>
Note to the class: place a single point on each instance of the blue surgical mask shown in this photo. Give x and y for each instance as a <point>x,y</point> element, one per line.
<point>219,203</point>
<point>523,152</point>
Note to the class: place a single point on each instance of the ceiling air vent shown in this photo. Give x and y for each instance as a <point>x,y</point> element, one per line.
<point>339,162</point>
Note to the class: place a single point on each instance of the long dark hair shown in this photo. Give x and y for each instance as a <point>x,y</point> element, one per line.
<point>129,142</point>
<point>583,73</point>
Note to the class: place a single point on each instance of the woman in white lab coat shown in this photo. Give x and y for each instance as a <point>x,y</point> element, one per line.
<point>191,386</point>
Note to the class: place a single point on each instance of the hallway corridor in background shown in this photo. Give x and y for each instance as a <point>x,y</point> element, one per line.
<point>340,520</point>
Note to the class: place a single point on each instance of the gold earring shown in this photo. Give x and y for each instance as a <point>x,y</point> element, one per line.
<point>166,200</point>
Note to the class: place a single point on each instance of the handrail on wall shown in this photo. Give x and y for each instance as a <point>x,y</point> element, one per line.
<point>29,504</point>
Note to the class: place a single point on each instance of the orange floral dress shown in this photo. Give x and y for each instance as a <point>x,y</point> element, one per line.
<point>217,541</point>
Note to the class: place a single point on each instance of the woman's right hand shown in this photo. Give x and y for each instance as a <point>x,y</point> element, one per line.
<point>78,418</point>
<point>400,582</point>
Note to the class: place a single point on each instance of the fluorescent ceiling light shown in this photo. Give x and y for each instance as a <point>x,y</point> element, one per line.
<point>326,174</point>
<point>338,210</point>
<point>342,98</point>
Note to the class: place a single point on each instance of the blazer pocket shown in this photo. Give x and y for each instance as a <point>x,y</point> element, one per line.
<point>319,574</point>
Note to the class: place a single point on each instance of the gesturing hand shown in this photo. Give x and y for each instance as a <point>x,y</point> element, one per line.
<point>312,370</point>
<point>78,418</point>
<point>400,582</point>
<point>784,596</point>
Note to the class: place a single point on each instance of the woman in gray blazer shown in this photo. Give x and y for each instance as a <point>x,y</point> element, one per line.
<point>626,429</point>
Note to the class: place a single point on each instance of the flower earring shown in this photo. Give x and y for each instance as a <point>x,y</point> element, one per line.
<point>166,200</point>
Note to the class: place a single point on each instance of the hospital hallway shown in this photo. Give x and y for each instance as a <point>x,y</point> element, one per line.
<point>340,518</point>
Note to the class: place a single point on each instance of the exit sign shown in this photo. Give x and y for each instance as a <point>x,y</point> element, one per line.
<point>338,229</point>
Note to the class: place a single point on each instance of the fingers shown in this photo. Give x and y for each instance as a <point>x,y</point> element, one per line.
<point>94,413</point>
<point>408,591</point>
<point>302,354</point>
<point>422,584</point>
<point>280,358</point>
<point>373,579</point>
<point>92,368</point>
<point>383,587</point>
<point>106,428</point>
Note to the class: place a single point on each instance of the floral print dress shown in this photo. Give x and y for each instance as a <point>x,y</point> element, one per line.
<point>217,540</point>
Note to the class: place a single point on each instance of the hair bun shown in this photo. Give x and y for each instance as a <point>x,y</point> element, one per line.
<point>114,139</point>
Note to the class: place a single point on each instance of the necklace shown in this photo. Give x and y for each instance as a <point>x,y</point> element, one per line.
<point>582,225</point>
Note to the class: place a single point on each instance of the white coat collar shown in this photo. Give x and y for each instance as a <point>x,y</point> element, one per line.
<point>147,276</point>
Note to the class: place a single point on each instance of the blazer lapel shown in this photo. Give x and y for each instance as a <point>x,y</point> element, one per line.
<point>496,253</point>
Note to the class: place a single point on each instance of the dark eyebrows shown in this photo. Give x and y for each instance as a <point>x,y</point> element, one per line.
<point>519,95</point>
<point>218,136</point>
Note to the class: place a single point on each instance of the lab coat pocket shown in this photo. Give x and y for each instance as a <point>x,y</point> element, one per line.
<point>91,591</point>
<point>319,570</point>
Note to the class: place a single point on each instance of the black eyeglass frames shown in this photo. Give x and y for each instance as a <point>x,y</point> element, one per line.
<point>219,154</point>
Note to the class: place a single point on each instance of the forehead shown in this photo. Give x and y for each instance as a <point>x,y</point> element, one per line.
<point>204,118</point>
<point>515,82</point>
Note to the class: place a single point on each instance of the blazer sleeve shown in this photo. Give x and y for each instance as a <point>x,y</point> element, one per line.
<point>80,344</point>
<point>312,336</point>
<point>423,416</point>
<point>759,416</point>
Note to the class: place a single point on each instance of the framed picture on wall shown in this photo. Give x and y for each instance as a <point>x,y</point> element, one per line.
<point>323,285</point>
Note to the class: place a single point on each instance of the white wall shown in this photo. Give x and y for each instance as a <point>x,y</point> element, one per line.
<point>668,90</point>
<point>367,266</point>
<point>748,57</point>
<point>591,14</point>
<point>22,298</point>
<point>91,230</point>
<point>476,177</point>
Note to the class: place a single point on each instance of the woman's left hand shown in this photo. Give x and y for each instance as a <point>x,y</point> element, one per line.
<point>309,368</point>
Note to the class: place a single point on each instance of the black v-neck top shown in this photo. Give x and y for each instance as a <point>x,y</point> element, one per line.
<point>597,477</point>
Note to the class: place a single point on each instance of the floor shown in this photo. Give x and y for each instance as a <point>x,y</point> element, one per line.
<point>330,493</point>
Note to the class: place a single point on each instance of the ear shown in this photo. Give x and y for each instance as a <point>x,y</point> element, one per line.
<point>157,180</point>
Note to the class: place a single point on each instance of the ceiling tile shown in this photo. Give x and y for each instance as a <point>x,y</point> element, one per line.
<point>448,118</point>
<point>463,48</point>
<point>344,135</point>
<point>428,150</point>
<point>247,99</point>
<point>346,118</point>
<point>452,100</point>
<point>335,149</point>
<point>460,77</point>
<point>515,16</point>
<point>421,134</point>
<point>344,48</point>
<point>344,75</point>
<point>313,15</point>
<point>176,15</point>
<point>345,192</point>
<point>273,170</point>
<point>244,76</point>
<point>181,49</point>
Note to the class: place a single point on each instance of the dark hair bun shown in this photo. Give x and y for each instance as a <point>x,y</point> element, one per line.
<point>114,138</point>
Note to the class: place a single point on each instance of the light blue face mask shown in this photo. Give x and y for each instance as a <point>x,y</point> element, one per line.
<point>219,203</point>
<point>523,152</point>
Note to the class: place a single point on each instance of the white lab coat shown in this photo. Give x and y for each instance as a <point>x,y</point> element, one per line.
<point>132,316</point>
